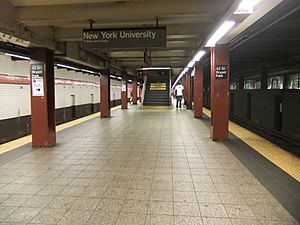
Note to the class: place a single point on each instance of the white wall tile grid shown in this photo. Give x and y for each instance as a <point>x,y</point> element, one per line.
<point>15,98</point>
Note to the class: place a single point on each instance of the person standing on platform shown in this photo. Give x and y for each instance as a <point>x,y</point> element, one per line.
<point>179,93</point>
<point>130,90</point>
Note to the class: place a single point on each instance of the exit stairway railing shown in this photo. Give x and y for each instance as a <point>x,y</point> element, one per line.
<point>143,91</point>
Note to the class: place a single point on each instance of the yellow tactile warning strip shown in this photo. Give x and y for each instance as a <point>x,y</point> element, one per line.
<point>27,139</point>
<point>281,158</point>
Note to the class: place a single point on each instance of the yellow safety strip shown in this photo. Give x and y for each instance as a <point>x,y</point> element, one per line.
<point>27,139</point>
<point>281,158</point>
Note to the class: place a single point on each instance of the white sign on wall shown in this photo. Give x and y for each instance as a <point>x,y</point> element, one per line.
<point>123,85</point>
<point>37,79</point>
<point>37,87</point>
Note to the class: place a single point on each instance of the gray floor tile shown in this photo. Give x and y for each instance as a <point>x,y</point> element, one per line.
<point>103,218</point>
<point>186,209</point>
<point>5,211</point>
<point>173,173</point>
<point>161,195</point>
<point>159,220</point>
<point>216,221</point>
<point>48,216</point>
<point>85,203</point>
<point>110,205</point>
<point>16,200</point>
<point>136,194</point>
<point>213,210</point>
<point>180,196</point>
<point>187,220</point>
<point>75,217</point>
<point>23,215</point>
<point>162,208</point>
<point>208,197</point>
<point>131,219</point>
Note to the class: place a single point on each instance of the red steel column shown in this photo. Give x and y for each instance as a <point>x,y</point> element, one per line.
<point>105,94</point>
<point>42,98</point>
<point>188,91</point>
<point>219,93</point>
<point>124,94</point>
<point>184,85</point>
<point>134,92</point>
<point>198,90</point>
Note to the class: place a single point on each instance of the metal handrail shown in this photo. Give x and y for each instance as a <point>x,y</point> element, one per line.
<point>143,91</point>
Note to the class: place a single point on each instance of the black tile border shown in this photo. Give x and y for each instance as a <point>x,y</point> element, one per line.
<point>282,186</point>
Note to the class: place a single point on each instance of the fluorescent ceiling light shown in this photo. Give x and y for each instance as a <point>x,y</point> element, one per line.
<point>130,80</point>
<point>156,68</point>
<point>67,67</point>
<point>193,72</point>
<point>246,6</point>
<point>119,78</point>
<point>185,70</point>
<point>112,76</point>
<point>191,64</point>
<point>222,30</point>
<point>17,56</point>
<point>87,71</point>
<point>198,56</point>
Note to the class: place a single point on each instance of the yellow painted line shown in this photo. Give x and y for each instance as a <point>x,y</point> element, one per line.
<point>281,158</point>
<point>27,139</point>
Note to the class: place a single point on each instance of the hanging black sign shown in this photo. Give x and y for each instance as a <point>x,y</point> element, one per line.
<point>147,59</point>
<point>221,72</point>
<point>144,37</point>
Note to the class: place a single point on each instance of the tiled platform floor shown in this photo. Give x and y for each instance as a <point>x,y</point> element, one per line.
<point>149,167</point>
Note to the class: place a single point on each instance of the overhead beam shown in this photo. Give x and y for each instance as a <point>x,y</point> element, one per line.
<point>207,18</point>
<point>57,2</point>
<point>9,26</point>
<point>162,53</point>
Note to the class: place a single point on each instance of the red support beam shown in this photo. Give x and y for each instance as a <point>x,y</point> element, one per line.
<point>219,92</point>
<point>134,92</point>
<point>124,94</point>
<point>105,94</point>
<point>188,91</point>
<point>42,98</point>
<point>198,90</point>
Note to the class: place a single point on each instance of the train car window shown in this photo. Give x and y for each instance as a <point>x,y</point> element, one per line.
<point>293,82</point>
<point>234,86</point>
<point>257,85</point>
<point>275,82</point>
<point>249,84</point>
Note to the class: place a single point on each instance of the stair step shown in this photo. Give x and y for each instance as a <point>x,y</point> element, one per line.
<point>156,104</point>
<point>157,97</point>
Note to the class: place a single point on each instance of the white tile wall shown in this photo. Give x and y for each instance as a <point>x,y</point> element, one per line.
<point>15,98</point>
<point>14,101</point>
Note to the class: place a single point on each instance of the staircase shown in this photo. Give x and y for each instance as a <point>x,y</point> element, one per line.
<point>157,92</point>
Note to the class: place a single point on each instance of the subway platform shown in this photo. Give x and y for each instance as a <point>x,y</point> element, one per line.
<point>144,167</point>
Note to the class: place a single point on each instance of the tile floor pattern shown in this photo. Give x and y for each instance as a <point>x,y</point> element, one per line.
<point>149,167</point>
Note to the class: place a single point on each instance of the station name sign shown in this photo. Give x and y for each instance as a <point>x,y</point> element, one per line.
<point>221,72</point>
<point>144,37</point>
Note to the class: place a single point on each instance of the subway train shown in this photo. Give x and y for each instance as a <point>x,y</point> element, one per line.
<point>77,94</point>
<point>273,112</point>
